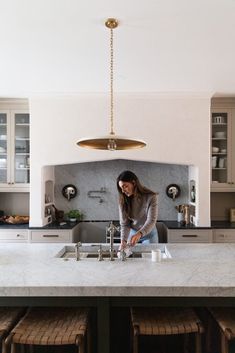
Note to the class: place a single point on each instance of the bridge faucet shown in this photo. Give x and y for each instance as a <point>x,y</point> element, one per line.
<point>77,250</point>
<point>111,230</point>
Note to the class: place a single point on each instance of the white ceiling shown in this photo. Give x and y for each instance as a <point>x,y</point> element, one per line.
<point>62,46</point>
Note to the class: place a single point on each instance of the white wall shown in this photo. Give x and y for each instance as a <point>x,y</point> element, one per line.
<point>175,128</point>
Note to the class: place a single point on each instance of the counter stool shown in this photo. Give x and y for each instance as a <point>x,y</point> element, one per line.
<point>51,326</point>
<point>225,318</point>
<point>8,319</point>
<point>166,321</point>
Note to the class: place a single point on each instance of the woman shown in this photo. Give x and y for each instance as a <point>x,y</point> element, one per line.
<point>137,209</point>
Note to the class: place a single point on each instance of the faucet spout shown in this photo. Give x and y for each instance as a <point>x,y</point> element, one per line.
<point>111,229</point>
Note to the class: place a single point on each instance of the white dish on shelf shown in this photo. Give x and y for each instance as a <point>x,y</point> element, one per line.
<point>215,149</point>
<point>220,134</point>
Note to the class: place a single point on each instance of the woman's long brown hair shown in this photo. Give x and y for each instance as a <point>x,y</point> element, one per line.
<point>124,200</point>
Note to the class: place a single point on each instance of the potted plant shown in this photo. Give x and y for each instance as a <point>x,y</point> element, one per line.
<point>74,215</point>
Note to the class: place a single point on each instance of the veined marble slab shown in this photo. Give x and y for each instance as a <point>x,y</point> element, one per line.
<point>194,270</point>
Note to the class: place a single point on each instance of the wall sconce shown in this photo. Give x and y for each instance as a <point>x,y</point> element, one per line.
<point>69,191</point>
<point>173,191</point>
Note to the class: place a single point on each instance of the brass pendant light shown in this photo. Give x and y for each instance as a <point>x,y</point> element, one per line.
<point>111,142</point>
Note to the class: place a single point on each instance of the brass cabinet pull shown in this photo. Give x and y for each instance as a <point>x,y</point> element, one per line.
<point>189,235</point>
<point>50,235</point>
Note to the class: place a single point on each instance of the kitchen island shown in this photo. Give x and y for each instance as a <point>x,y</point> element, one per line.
<point>198,274</point>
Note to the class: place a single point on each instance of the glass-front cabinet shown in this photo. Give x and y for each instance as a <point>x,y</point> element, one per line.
<point>219,148</point>
<point>14,151</point>
<point>222,154</point>
<point>3,148</point>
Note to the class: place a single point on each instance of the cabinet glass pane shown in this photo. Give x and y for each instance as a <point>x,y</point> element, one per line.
<point>22,148</point>
<point>219,147</point>
<point>3,148</point>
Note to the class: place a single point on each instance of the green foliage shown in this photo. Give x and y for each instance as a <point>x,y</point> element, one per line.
<point>74,214</point>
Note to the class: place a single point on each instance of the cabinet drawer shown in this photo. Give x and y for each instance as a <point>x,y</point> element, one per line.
<point>53,236</point>
<point>189,236</point>
<point>14,236</point>
<point>224,235</point>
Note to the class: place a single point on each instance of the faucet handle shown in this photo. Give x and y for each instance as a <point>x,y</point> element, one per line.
<point>100,253</point>
<point>78,244</point>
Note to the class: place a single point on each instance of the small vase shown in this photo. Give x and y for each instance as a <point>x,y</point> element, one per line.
<point>179,217</point>
<point>72,219</point>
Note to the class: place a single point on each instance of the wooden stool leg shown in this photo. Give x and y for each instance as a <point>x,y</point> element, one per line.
<point>135,343</point>
<point>198,342</point>
<point>4,347</point>
<point>224,343</point>
<point>13,348</point>
<point>81,345</point>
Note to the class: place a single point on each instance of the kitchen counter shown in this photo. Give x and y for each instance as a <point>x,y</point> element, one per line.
<point>178,225</point>
<point>53,225</point>
<point>58,225</point>
<point>222,225</point>
<point>198,270</point>
<point>168,224</point>
<point>214,225</point>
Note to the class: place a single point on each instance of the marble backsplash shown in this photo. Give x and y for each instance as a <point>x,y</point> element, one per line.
<point>95,176</point>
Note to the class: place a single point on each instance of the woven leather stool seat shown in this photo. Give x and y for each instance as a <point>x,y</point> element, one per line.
<point>8,319</point>
<point>165,321</point>
<point>51,326</point>
<point>225,318</point>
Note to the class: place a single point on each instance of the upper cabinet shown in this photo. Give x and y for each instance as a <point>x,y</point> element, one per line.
<point>223,145</point>
<point>14,150</point>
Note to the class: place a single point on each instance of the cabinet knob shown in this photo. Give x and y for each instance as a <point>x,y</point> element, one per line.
<point>222,235</point>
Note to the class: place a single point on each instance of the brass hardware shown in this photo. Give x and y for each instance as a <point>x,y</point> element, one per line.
<point>111,142</point>
<point>111,23</point>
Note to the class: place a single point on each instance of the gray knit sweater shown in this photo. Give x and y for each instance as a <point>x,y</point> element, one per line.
<point>144,211</point>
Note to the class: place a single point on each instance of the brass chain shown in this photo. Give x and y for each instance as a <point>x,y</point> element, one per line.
<point>111,82</point>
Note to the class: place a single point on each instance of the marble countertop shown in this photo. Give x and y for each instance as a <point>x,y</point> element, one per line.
<point>29,270</point>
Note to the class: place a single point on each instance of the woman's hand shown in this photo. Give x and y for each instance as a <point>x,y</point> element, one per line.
<point>135,238</point>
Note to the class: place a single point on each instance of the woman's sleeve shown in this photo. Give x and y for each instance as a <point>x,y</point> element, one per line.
<point>152,214</point>
<point>124,224</point>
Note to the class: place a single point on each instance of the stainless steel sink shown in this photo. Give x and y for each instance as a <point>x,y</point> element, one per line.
<point>90,251</point>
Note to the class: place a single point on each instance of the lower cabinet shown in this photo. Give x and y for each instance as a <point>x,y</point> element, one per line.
<point>14,236</point>
<point>224,235</point>
<point>54,235</point>
<point>189,236</point>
